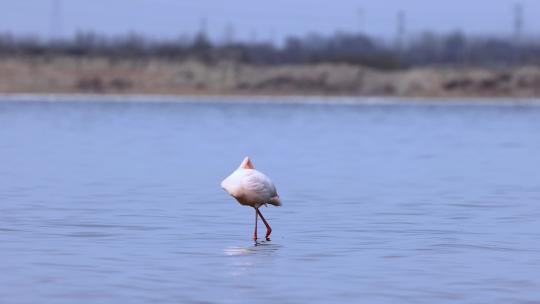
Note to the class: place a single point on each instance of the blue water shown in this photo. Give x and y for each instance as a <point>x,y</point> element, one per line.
<point>106,202</point>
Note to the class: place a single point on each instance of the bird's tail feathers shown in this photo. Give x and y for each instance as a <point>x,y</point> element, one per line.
<point>247,164</point>
<point>275,201</point>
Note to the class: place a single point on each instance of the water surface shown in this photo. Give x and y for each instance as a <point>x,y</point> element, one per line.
<point>120,203</point>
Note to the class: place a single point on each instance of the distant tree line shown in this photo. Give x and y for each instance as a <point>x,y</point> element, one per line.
<point>420,50</point>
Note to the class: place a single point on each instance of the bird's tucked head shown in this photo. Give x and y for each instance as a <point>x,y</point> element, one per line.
<point>247,164</point>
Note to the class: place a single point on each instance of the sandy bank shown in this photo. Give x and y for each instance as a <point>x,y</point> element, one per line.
<point>105,76</point>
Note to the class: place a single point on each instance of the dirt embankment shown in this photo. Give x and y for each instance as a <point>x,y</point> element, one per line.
<point>100,75</point>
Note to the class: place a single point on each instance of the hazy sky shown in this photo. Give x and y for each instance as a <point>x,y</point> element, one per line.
<point>262,19</point>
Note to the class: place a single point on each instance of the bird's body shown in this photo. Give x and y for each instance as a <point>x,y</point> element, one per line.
<point>251,188</point>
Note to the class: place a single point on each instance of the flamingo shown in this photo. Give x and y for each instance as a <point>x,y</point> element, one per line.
<point>254,189</point>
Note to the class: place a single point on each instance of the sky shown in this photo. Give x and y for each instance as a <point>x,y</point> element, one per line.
<point>261,20</point>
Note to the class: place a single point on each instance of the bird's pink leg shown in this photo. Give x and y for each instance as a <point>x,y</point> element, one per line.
<point>268,229</point>
<point>256,220</point>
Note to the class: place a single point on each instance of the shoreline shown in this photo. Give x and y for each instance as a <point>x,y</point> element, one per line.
<point>262,99</point>
<point>158,77</point>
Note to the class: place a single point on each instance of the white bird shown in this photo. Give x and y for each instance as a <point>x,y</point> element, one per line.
<point>252,188</point>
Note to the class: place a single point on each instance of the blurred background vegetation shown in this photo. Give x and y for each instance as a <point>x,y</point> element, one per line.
<point>455,63</point>
<point>425,49</point>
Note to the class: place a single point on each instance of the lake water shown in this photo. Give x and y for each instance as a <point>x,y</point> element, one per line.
<point>108,202</point>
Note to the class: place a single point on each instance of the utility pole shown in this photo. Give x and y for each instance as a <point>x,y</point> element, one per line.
<point>361,20</point>
<point>401,28</point>
<point>518,23</point>
<point>202,27</point>
<point>253,36</point>
<point>56,20</point>
<point>229,34</point>
<point>518,32</point>
<point>272,37</point>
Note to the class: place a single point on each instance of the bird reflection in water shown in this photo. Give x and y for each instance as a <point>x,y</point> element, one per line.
<point>259,248</point>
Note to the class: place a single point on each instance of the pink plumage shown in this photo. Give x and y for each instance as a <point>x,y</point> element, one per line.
<point>252,188</point>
